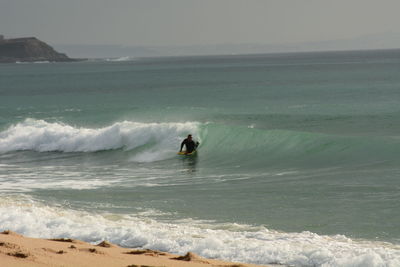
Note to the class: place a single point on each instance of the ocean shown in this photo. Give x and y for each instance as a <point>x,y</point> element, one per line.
<point>298,163</point>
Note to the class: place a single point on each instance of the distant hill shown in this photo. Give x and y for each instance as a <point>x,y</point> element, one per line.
<point>29,49</point>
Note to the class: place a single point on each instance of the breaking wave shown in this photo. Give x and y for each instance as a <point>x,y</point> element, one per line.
<point>233,242</point>
<point>157,141</point>
<point>42,136</point>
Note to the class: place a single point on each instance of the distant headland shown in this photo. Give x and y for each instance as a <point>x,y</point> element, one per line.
<point>29,49</point>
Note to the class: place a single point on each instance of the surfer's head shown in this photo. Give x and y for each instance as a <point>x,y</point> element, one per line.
<point>189,136</point>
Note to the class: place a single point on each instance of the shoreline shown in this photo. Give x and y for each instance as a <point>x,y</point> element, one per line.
<point>18,250</point>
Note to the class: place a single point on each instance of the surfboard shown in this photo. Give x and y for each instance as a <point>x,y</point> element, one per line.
<point>187,154</point>
<point>194,152</point>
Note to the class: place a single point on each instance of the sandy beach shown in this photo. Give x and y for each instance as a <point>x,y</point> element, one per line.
<point>17,250</point>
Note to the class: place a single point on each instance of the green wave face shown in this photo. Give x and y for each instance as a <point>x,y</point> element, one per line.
<point>258,148</point>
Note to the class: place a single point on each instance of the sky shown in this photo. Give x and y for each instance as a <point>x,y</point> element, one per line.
<point>201,22</point>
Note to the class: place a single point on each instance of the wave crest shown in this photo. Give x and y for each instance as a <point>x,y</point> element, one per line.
<point>42,136</point>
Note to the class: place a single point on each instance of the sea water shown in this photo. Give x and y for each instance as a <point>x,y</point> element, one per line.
<point>298,161</point>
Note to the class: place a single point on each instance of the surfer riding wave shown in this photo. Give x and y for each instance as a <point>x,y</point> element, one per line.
<point>189,144</point>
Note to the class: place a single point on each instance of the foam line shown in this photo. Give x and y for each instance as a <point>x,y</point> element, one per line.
<point>260,246</point>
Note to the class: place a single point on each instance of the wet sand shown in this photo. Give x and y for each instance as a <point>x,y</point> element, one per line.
<point>19,251</point>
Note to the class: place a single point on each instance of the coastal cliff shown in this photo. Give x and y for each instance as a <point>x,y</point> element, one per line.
<point>29,49</point>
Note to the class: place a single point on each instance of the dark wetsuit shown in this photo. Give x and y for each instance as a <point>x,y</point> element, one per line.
<point>190,145</point>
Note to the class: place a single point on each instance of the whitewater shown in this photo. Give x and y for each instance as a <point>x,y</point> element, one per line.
<point>297,163</point>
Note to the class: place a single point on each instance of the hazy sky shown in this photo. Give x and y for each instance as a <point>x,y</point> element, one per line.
<point>188,22</point>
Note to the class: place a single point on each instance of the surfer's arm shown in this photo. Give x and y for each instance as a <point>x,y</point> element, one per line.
<point>183,142</point>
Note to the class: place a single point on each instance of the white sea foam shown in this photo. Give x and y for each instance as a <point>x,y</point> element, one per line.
<point>159,139</point>
<point>260,245</point>
<point>27,184</point>
<point>34,62</point>
<point>119,59</point>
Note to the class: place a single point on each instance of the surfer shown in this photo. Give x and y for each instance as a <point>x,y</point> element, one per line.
<point>190,144</point>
